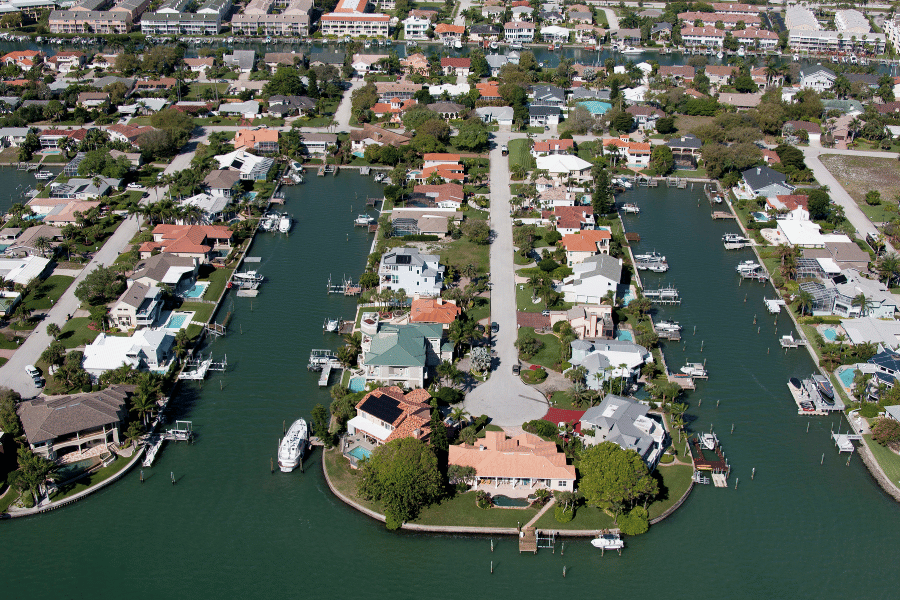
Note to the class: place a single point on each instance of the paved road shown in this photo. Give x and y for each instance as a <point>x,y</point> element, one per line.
<point>12,374</point>
<point>837,192</point>
<point>504,397</point>
<point>612,18</point>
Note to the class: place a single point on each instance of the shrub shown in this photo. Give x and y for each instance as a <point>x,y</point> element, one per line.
<point>540,427</point>
<point>449,395</point>
<point>635,522</point>
<point>666,459</point>
<point>27,500</point>
<point>562,515</point>
<point>869,410</point>
<point>420,237</point>
<point>483,499</point>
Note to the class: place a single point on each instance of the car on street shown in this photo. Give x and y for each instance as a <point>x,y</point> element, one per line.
<point>133,186</point>
<point>35,375</point>
<point>494,327</point>
<point>516,369</point>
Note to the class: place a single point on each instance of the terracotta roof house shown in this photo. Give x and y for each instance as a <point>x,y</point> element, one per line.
<point>445,195</point>
<point>571,219</point>
<point>261,139</point>
<point>433,310</point>
<point>372,134</point>
<point>456,66</point>
<point>489,90</point>
<point>770,156</point>
<point>588,320</point>
<point>386,414</point>
<point>545,147</point>
<point>586,243</point>
<point>454,172</point>
<point>24,58</point>
<point>202,242</point>
<point>636,153</point>
<point>445,31</point>
<point>523,460</point>
<point>59,425</point>
<point>127,133</point>
<point>677,72</point>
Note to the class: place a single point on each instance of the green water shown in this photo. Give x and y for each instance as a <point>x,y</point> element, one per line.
<point>229,528</point>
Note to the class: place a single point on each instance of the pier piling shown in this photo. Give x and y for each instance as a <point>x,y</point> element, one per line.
<point>807,427</point>
<point>822,462</point>
<point>736,481</point>
<point>752,473</point>
<point>142,476</point>
<point>717,403</point>
<point>492,567</point>
<point>271,465</point>
<point>492,545</point>
<point>732,428</point>
<point>172,475</point>
<point>564,571</point>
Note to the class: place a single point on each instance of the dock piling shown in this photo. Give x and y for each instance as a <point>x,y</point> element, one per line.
<point>492,544</point>
<point>699,402</point>
<point>564,571</point>
<point>172,475</point>
<point>732,428</point>
<point>736,481</point>
<point>848,459</point>
<point>142,476</point>
<point>492,567</point>
<point>717,403</point>
<point>807,427</point>
<point>752,473</point>
<point>701,345</point>
<point>822,462</point>
<point>271,465</point>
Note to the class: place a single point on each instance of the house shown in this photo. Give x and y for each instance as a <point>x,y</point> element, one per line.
<point>406,269</point>
<point>24,59</point>
<point>547,147</point>
<point>404,90</point>
<point>200,65</point>
<point>555,33</point>
<point>677,73</point>
<point>63,62</point>
<point>285,106</point>
<point>415,64</point>
<point>844,254</point>
<point>456,66</point>
<point>791,206</point>
<point>547,95</point>
<point>370,134</point>
<point>524,460</point>
<point>145,350</point>
<point>8,303</point>
<point>564,166</point>
<point>139,306</point>
<point>22,270</point>
<point>544,116</point>
<point>319,143</point>
<point>502,115</point>
<point>588,320</point>
<point>244,61</point>
<point>404,355</point>
<point>496,62</point>
<point>433,310</point>
<point>202,242</point>
<point>155,85</point>
<point>644,116</point>
<point>627,424</point>
<point>65,214</point>
<point>519,32</point>
<point>250,166</point>
<point>766,182</point>
<point>24,243</point>
<point>741,101</point>
<point>817,78</point>
<point>806,234</point>
<point>702,36</point>
<point>593,279</point>
<point>583,244</point>
<point>143,106</point>
<point>223,183</point>
<point>445,195</point>
<point>212,208</point>
<point>387,414</point>
<point>687,145</point>
<point>274,60</point>
<point>728,21</point>
<point>260,139</point>
<point>50,138</point>
<point>129,134</point>
<point>873,331</point>
<point>570,219</point>
<point>415,28</point>
<point>177,272</point>
<point>134,158</point>
<point>367,63</point>
<point>248,109</point>
<point>395,108</point>
<point>84,189</point>
<point>446,32</point>
<point>13,136</point>
<point>484,32</point>
<point>448,110</point>
<point>56,426</point>
<point>609,360</point>
<point>880,302</point>
<point>636,154</point>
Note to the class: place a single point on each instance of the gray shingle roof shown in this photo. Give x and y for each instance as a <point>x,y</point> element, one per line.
<point>51,417</point>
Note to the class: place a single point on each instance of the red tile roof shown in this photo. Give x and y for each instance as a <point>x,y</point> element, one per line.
<point>553,145</point>
<point>558,415</point>
<point>433,310</point>
<point>415,413</point>
<point>456,63</point>
<point>569,217</point>
<point>586,240</point>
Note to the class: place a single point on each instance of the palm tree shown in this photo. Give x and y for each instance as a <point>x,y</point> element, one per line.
<point>862,302</point>
<point>804,302</point>
<point>133,433</point>
<point>458,414</point>
<point>42,244</point>
<point>888,267</point>
<point>144,404</point>
<point>447,372</point>
<point>33,471</point>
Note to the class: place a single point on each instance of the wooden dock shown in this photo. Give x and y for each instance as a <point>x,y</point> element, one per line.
<point>528,540</point>
<point>685,381</point>
<point>721,214</point>
<point>325,374</point>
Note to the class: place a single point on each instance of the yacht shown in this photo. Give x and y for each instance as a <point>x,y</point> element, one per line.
<point>622,182</point>
<point>608,541</point>
<point>651,257</point>
<point>43,175</point>
<point>630,50</point>
<point>719,55</point>
<point>494,45</point>
<point>668,326</point>
<point>709,441</point>
<point>748,266</point>
<point>379,177</point>
<point>331,325</point>
<point>248,280</point>
<point>363,220</point>
<point>656,267</point>
<point>631,209</point>
<point>516,46</point>
<point>694,370</point>
<point>457,44</point>
<point>293,446</point>
<point>734,241</point>
<point>741,51</point>
<point>824,387</point>
<point>284,223</point>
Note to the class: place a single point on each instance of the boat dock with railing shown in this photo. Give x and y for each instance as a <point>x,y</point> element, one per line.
<point>195,369</point>
<point>666,295</point>
<point>182,432</point>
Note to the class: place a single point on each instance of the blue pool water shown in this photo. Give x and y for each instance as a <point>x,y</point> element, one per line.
<point>76,468</point>
<point>510,502</point>
<point>846,376</point>
<point>357,384</point>
<point>360,453</point>
<point>596,107</point>
<point>628,297</point>
<point>830,334</point>
<point>624,335</point>
<point>175,322</point>
<point>196,291</point>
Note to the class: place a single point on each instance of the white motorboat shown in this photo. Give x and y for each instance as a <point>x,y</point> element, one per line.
<point>249,279</point>
<point>608,541</point>
<point>622,182</point>
<point>631,208</point>
<point>734,241</point>
<point>656,267</point>
<point>741,51</point>
<point>43,175</point>
<point>331,325</point>
<point>457,44</point>
<point>516,46</point>
<point>748,266</point>
<point>363,220</point>
<point>293,446</point>
<point>668,326</point>
<point>694,370</point>
<point>285,223</point>
<point>719,55</point>
<point>494,45</point>
<point>709,441</point>
<point>630,50</point>
<point>379,177</point>
<point>651,257</point>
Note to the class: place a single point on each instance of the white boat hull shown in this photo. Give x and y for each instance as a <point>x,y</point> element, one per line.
<point>293,446</point>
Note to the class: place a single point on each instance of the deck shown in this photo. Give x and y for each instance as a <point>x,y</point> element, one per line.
<point>721,214</point>
<point>528,540</point>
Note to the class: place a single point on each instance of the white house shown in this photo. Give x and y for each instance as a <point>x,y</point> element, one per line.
<point>147,349</point>
<point>415,273</point>
<point>593,278</point>
<point>416,28</point>
<point>250,166</point>
<point>564,166</point>
<point>609,360</point>
<point>139,306</point>
<point>625,423</point>
<point>817,78</point>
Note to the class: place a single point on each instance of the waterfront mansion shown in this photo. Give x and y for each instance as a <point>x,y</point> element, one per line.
<point>408,270</point>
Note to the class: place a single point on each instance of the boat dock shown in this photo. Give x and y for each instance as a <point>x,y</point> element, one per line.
<point>809,395</point>
<point>346,287</point>
<point>788,341</point>
<point>685,381</point>
<point>196,369</point>
<point>706,451</point>
<point>721,214</point>
<point>774,306</point>
<point>528,540</point>
<point>325,375</point>
<point>667,295</point>
<point>844,441</point>
<point>182,432</point>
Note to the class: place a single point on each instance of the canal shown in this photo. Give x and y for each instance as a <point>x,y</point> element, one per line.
<point>230,528</point>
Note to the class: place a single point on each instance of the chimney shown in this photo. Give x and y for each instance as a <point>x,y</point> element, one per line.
<point>758,170</point>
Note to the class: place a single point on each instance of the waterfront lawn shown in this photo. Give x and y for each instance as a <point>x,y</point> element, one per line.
<point>72,488</point>
<point>45,294</point>
<point>217,279</point>
<point>520,154</point>
<point>345,479</point>
<point>548,357</point>
<point>202,310</point>
<point>461,511</point>
<point>76,333</point>
<point>8,498</point>
<point>887,459</point>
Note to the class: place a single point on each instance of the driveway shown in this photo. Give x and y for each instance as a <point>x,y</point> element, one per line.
<point>504,397</point>
<point>12,374</point>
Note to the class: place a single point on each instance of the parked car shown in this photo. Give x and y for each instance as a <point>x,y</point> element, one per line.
<point>516,369</point>
<point>133,186</point>
<point>545,313</point>
<point>504,150</point>
<point>494,327</point>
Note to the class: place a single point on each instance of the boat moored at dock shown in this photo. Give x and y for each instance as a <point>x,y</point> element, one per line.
<point>293,446</point>
<point>695,370</point>
<point>609,540</point>
<point>734,241</point>
<point>285,223</point>
<point>631,208</point>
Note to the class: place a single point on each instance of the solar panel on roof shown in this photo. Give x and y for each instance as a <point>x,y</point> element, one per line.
<point>404,259</point>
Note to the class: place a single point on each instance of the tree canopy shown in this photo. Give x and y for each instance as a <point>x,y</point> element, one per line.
<point>612,478</point>
<point>100,286</point>
<point>403,475</point>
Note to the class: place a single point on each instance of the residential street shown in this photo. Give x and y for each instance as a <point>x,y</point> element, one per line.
<point>504,397</point>
<point>12,374</point>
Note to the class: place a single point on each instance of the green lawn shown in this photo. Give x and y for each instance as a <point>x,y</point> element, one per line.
<point>55,158</point>
<point>481,309</point>
<point>48,292</point>
<point>520,154</point>
<point>9,343</point>
<point>889,461</point>
<point>203,311</point>
<point>524,303</point>
<point>549,354</point>
<point>94,478</point>
<point>195,90</point>
<point>461,252</point>
<point>76,333</point>
<point>217,280</point>
<point>878,214</point>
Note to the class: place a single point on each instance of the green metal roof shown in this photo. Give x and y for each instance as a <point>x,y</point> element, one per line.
<point>402,345</point>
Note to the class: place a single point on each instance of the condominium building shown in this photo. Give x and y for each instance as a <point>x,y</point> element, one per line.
<point>415,28</point>
<point>836,41</point>
<point>350,19</point>
<point>851,21</point>
<point>170,18</point>
<point>293,20</point>
<point>90,21</point>
<point>801,19</point>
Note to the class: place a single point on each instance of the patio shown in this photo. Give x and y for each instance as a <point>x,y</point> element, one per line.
<point>355,447</point>
<point>508,488</point>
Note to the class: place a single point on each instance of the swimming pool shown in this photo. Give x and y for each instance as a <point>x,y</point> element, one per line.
<point>175,322</point>
<point>830,333</point>
<point>624,334</point>
<point>359,453</point>
<point>72,470</point>
<point>628,297</point>
<point>846,376</point>
<point>196,291</point>
<point>507,502</point>
<point>357,384</point>
<point>595,107</point>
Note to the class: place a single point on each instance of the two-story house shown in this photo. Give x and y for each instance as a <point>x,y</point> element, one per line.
<point>139,306</point>
<point>415,273</point>
<point>627,424</point>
